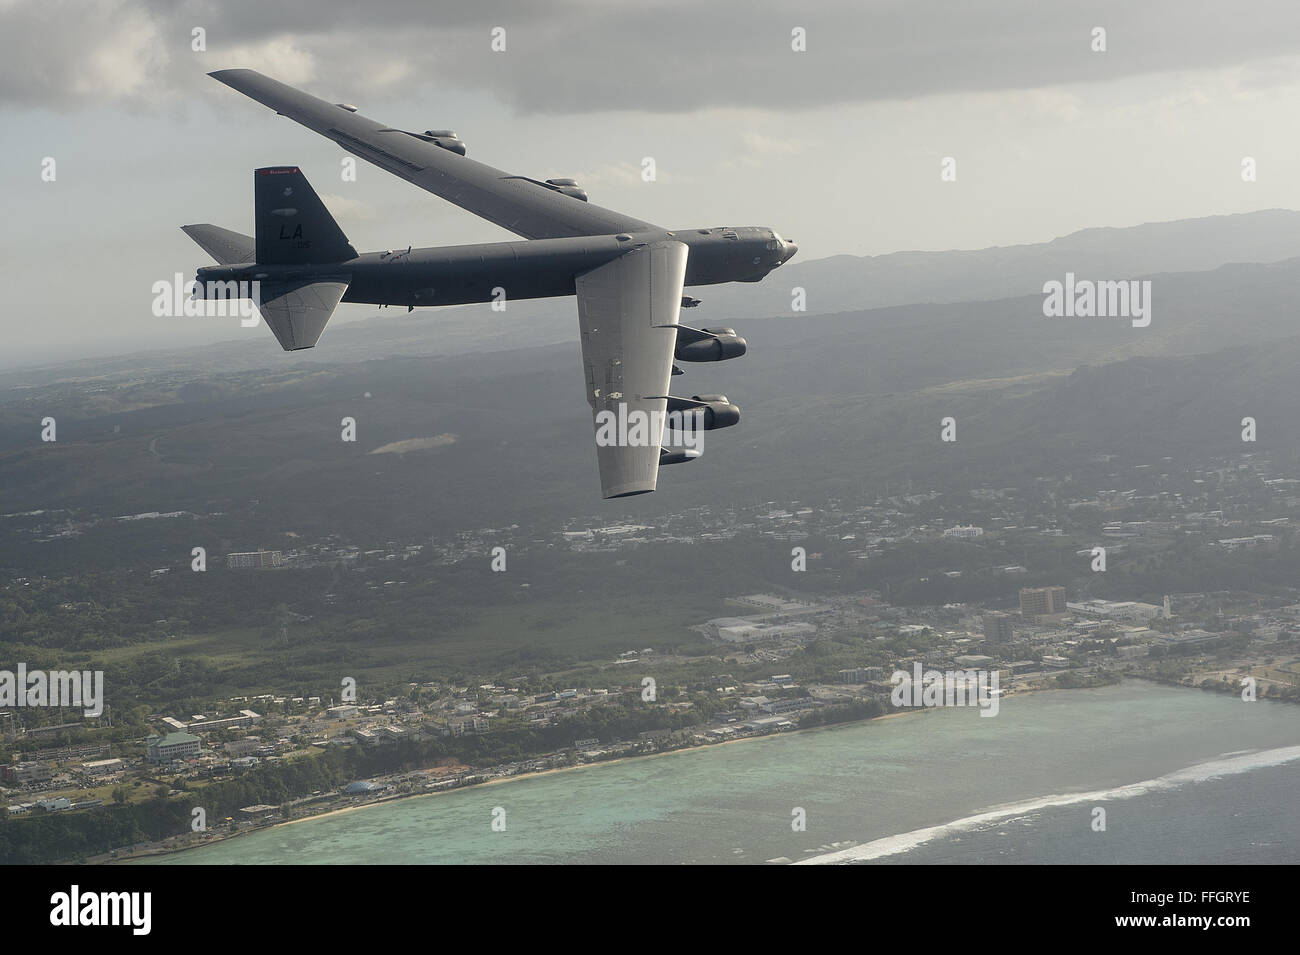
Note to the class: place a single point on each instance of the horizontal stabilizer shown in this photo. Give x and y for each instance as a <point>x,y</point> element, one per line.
<point>228,248</point>
<point>297,311</point>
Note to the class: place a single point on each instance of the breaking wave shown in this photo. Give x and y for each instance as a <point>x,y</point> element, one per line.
<point>1228,765</point>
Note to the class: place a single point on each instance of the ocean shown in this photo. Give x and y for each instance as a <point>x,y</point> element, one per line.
<point>1183,776</point>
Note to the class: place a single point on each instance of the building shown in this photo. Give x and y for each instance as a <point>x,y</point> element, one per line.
<point>768,724</point>
<point>477,724</point>
<point>260,811</point>
<point>787,705</point>
<point>741,630</point>
<point>245,718</point>
<point>1265,541</point>
<point>254,560</point>
<point>1129,610</point>
<point>1187,639</point>
<point>26,774</point>
<point>997,627</point>
<point>1042,601</point>
<point>776,604</point>
<point>860,675</point>
<point>103,767</point>
<point>172,747</point>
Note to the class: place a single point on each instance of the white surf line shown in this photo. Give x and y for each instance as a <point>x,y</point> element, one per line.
<point>891,845</point>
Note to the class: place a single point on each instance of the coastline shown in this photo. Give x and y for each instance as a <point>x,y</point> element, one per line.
<point>384,800</point>
<point>537,774</point>
<point>1075,710</point>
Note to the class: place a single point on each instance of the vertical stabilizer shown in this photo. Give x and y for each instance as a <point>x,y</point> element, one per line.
<point>293,227</point>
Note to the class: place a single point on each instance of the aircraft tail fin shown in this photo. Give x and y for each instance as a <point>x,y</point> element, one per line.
<point>293,226</point>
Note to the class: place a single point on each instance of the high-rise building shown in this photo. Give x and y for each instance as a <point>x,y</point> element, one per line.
<point>1042,601</point>
<point>997,627</point>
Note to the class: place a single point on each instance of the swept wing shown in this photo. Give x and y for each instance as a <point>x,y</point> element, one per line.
<point>521,205</point>
<point>627,315</point>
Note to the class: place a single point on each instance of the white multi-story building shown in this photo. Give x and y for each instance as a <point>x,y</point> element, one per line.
<point>174,746</point>
<point>1116,609</point>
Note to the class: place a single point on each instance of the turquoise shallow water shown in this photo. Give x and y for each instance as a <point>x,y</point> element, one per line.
<point>1183,775</point>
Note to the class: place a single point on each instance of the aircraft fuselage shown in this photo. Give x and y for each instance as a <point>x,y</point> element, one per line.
<point>522,269</point>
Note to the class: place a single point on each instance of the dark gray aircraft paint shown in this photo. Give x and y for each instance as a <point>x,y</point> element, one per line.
<point>627,274</point>
<point>539,268</point>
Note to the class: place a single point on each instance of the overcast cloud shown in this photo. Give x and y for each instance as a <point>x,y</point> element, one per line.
<point>567,56</point>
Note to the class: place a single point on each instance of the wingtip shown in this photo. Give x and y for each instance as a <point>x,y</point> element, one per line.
<point>225,76</point>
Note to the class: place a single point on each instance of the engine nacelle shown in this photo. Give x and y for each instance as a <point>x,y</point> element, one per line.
<point>708,344</point>
<point>447,139</point>
<point>677,455</point>
<point>568,187</point>
<point>714,411</point>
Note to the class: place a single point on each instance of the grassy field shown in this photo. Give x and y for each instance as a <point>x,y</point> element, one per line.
<point>552,633</point>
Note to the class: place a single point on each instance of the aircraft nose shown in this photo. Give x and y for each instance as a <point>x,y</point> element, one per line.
<point>790,250</point>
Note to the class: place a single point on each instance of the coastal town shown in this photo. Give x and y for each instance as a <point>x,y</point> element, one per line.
<point>1049,641</point>
<point>1028,590</point>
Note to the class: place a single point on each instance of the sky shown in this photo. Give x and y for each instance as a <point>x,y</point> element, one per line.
<point>838,145</point>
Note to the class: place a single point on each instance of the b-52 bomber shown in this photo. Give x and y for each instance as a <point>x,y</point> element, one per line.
<point>628,275</point>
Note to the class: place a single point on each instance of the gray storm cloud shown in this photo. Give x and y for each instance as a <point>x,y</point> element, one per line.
<point>564,57</point>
